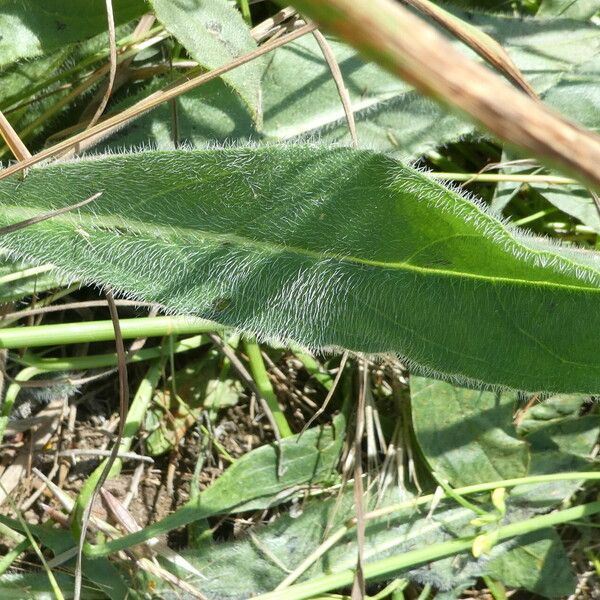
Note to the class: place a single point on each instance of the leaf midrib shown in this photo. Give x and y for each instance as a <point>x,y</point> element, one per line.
<point>16,214</point>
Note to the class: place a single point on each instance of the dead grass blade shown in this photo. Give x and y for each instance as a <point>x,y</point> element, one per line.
<point>359,583</point>
<point>404,44</point>
<point>13,141</point>
<point>123,409</point>
<point>486,46</point>
<point>112,72</point>
<point>54,213</point>
<point>339,82</point>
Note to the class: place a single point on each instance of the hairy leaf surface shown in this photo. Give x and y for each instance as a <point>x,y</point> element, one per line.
<point>326,247</point>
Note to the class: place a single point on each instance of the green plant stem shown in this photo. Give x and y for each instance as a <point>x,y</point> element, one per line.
<point>11,395</point>
<point>424,595</point>
<point>314,369</point>
<point>245,10</point>
<point>25,273</point>
<point>101,331</point>
<point>497,177</point>
<point>495,587</point>
<point>46,301</point>
<point>535,216</point>
<point>393,564</point>
<point>7,560</point>
<point>261,378</point>
<point>99,361</point>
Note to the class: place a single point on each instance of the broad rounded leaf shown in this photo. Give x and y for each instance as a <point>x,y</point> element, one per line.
<point>326,247</point>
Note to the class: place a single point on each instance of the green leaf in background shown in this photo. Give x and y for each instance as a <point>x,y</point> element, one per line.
<point>214,33</point>
<point>539,563</point>
<point>392,117</point>
<point>203,385</point>
<point>559,446</point>
<point>30,28</point>
<point>553,410</point>
<point>265,477</point>
<point>268,475</point>
<point>467,435</point>
<point>102,579</point>
<point>265,559</point>
<point>301,99</point>
<point>574,9</point>
<point>327,247</point>
<point>211,113</point>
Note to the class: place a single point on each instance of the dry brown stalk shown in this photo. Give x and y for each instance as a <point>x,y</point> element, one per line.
<point>404,44</point>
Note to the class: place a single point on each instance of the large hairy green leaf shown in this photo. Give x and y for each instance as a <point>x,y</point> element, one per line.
<point>327,247</point>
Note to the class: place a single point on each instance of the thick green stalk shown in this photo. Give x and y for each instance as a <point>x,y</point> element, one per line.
<point>261,378</point>
<point>245,10</point>
<point>99,361</point>
<point>101,331</point>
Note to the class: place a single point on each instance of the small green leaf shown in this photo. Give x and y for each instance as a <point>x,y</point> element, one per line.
<point>539,563</point>
<point>467,435</point>
<point>574,9</point>
<point>214,33</point>
<point>263,477</point>
<point>30,28</point>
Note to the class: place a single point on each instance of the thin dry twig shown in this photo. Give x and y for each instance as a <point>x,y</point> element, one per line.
<point>12,139</point>
<point>339,82</point>
<point>49,215</point>
<point>94,134</point>
<point>112,44</point>
<point>32,312</point>
<point>264,30</point>
<point>482,43</point>
<point>78,452</point>
<point>123,409</point>
<point>359,583</point>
